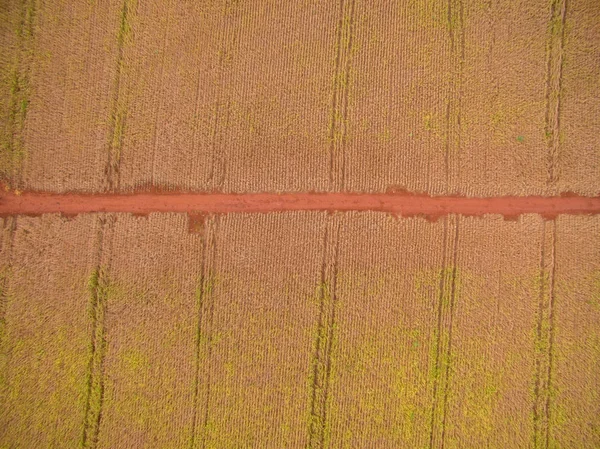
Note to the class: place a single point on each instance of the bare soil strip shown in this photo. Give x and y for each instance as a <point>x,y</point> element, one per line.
<point>405,204</point>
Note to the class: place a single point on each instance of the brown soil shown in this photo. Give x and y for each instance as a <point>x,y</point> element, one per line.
<point>396,74</point>
<point>259,327</point>
<point>299,329</point>
<point>236,101</point>
<point>403,204</point>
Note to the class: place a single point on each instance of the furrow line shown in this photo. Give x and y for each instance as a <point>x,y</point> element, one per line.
<point>314,424</point>
<point>159,93</point>
<point>453,108</point>
<point>349,19</point>
<point>209,337</point>
<point>19,93</point>
<point>544,339</point>
<point>539,339</point>
<point>8,237</point>
<point>551,313</point>
<point>330,336</point>
<point>216,132</point>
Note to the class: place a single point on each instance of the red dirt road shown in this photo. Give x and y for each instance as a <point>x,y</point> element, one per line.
<point>404,204</point>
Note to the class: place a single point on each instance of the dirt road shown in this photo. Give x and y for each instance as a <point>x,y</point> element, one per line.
<point>405,204</point>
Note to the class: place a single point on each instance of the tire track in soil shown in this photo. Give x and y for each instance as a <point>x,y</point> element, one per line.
<point>334,101</point>
<point>8,238</point>
<point>544,339</point>
<point>443,334</point>
<point>97,286</point>
<point>552,273</point>
<point>450,326</point>
<point>205,303</point>
<point>217,156</point>
<point>321,359</point>
<point>118,115</point>
<point>539,339</point>
<point>555,50</point>
<point>438,333</point>
<point>349,19</point>
<point>19,94</point>
<point>159,93</point>
<point>453,108</point>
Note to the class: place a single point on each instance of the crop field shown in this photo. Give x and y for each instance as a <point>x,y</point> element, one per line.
<point>366,331</point>
<point>461,97</point>
<point>300,224</point>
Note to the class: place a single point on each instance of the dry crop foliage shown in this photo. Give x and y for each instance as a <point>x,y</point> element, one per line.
<point>298,330</point>
<point>433,97</point>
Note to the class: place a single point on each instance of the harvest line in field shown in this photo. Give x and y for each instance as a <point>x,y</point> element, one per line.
<point>405,204</point>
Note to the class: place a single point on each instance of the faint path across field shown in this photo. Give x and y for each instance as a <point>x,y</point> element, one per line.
<point>405,204</point>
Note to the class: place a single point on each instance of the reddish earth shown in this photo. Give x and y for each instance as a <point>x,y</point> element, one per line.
<point>401,203</point>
